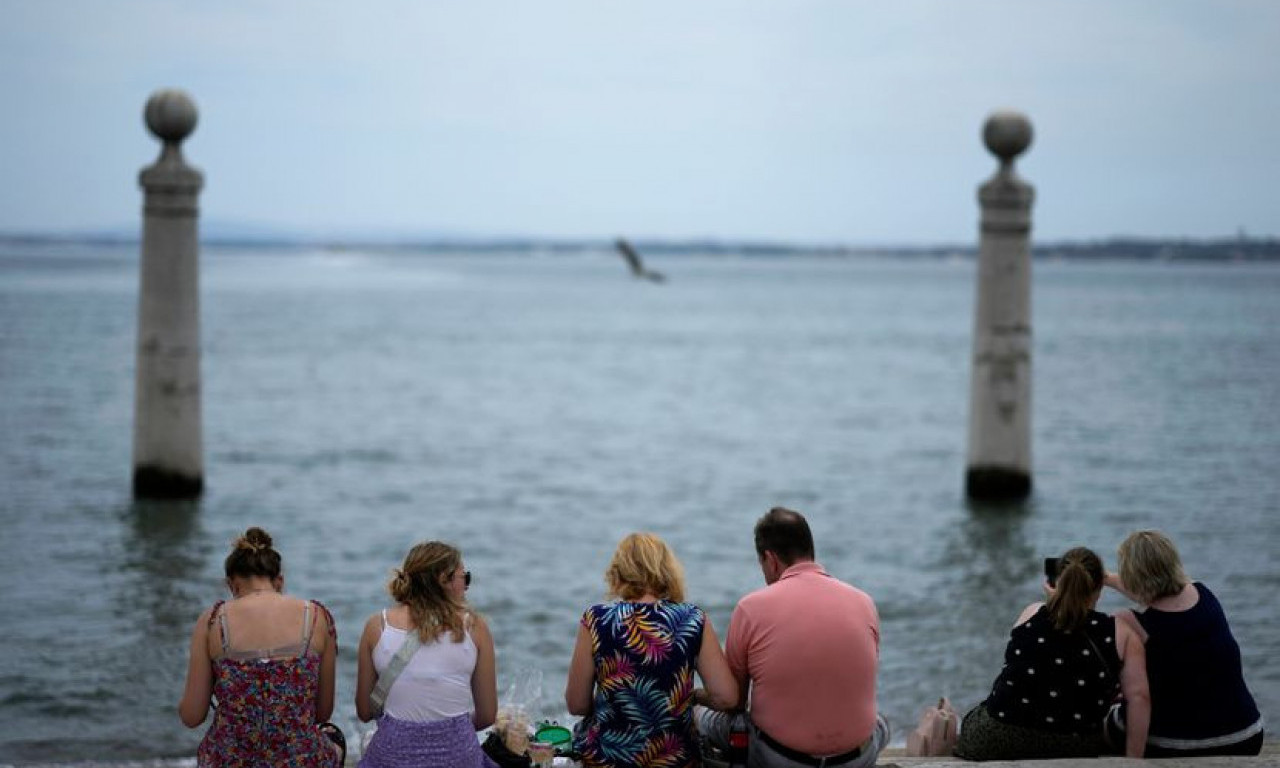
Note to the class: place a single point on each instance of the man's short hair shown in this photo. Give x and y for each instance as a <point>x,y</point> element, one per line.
<point>785,533</point>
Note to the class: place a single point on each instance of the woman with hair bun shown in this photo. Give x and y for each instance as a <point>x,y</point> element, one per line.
<point>1200,704</point>
<point>1064,664</point>
<point>268,660</point>
<point>426,667</point>
<point>631,676</point>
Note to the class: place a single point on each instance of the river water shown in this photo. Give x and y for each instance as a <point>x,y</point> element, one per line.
<point>533,409</point>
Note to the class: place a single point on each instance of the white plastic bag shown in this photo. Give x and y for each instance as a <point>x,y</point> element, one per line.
<point>516,709</point>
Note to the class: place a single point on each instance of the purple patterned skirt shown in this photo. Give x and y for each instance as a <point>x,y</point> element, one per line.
<point>448,743</point>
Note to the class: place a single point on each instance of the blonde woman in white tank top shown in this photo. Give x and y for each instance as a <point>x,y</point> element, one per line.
<point>447,690</point>
<point>436,682</point>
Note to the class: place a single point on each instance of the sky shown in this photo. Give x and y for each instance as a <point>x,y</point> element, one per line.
<point>804,121</point>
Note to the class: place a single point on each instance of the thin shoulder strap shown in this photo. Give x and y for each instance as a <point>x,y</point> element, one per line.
<point>384,618</point>
<point>306,628</point>
<point>221,610</point>
<point>393,670</point>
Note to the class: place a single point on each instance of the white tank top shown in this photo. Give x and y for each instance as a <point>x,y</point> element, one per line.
<point>435,684</point>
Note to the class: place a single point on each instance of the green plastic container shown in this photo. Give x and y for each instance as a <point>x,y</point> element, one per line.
<point>553,734</point>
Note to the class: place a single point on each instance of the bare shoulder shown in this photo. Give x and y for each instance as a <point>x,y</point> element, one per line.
<point>397,615</point>
<point>372,630</point>
<point>1028,612</point>
<point>294,607</point>
<point>322,611</point>
<point>1125,616</point>
<point>1128,626</point>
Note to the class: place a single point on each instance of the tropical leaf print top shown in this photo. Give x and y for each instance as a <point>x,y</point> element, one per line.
<point>644,656</point>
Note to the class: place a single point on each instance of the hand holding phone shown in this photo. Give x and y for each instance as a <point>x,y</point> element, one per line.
<point>1051,571</point>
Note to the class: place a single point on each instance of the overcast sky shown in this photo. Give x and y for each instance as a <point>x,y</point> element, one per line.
<point>793,120</point>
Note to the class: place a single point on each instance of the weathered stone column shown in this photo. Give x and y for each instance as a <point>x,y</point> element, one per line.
<point>168,459</point>
<point>1000,389</point>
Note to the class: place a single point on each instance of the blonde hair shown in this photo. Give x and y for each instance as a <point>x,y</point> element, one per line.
<point>1080,574</point>
<point>1150,566</point>
<point>417,585</point>
<point>643,563</point>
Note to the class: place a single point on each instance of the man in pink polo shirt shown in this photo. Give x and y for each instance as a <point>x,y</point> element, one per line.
<point>807,645</point>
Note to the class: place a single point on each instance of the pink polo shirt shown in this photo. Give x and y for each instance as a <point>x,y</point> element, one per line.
<point>809,644</point>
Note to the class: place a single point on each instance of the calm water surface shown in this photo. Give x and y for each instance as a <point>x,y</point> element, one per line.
<point>534,410</point>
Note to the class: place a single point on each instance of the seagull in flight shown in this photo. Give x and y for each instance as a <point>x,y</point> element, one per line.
<point>637,267</point>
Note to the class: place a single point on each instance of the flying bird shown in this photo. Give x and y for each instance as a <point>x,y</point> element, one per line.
<point>637,266</point>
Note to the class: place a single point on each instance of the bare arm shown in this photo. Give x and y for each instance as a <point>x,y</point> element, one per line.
<point>744,691</point>
<point>1133,684</point>
<point>735,655</point>
<point>366,674</point>
<point>582,676</point>
<point>721,688</point>
<point>1113,580</point>
<point>194,706</point>
<point>1127,617</point>
<point>328,662</point>
<point>484,678</point>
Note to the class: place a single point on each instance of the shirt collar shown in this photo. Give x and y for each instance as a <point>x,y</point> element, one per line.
<point>805,566</point>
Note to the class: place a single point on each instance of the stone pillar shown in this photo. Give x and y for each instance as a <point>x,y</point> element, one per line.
<point>999,463</point>
<point>168,458</point>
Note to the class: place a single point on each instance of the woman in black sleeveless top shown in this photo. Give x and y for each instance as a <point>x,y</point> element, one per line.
<point>1199,702</point>
<point>1064,665</point>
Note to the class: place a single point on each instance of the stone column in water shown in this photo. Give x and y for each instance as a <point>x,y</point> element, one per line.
<point>999,464</point>
<point>168,459</point>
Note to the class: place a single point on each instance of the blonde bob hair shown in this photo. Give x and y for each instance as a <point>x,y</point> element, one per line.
<point>644,564</point>
<point>1150,567</point>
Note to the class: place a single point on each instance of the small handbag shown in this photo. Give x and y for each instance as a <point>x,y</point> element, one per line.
<point>497,751</point>
<point>935,736</point>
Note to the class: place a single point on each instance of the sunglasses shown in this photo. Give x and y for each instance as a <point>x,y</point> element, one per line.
<point>466,578</point>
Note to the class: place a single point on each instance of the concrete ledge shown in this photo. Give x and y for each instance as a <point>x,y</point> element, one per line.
<point>894,757</point>
<point>1270,758</point>
<point>1271,761</point>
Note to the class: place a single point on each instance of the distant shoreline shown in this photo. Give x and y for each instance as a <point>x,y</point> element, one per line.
<point>1217,250</point>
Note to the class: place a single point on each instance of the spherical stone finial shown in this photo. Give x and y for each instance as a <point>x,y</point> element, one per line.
<point>171,115</point>
<point>1007,134</point>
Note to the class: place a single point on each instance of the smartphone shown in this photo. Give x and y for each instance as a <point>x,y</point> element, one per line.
<point>1051,570</point>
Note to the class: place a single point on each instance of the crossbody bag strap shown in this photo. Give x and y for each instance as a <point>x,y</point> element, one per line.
<point>393,670</point>
<point>1102,659</point>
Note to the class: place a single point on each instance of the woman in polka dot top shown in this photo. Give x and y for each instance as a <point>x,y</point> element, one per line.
<point>1065,665</point>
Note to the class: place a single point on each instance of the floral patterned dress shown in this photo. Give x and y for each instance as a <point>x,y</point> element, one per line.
<point>642,714</point>
<point>266,712</point>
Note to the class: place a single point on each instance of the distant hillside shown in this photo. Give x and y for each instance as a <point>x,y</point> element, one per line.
<point>1131,248</point>
<point>1226,249</point>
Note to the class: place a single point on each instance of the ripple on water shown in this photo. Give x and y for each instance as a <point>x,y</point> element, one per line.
<point>535,413</point>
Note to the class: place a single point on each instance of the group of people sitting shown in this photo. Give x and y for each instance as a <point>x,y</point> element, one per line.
<point>799,659</point>
<point>1162,681</point>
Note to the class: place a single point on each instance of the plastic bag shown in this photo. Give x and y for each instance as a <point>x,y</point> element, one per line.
<point>935,736</point>
<point>516,708</point>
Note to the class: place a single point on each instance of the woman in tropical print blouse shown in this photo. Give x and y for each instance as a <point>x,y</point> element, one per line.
<point>631,677</point>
